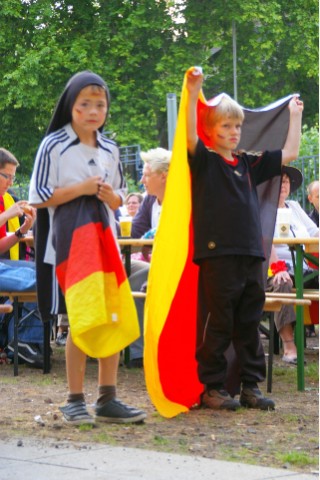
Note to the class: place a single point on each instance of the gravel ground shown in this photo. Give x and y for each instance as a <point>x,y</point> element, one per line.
<point>285,438</point>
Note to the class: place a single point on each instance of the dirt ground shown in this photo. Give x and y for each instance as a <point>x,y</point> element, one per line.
<point>285,438</point>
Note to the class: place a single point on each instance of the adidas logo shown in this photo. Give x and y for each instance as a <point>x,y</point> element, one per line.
<point>92,162</point>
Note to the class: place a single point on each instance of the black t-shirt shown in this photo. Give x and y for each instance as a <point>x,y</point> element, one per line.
<point>225,206</point>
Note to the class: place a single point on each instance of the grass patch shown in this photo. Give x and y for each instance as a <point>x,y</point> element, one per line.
<point>288,374</point>
<point>160,440</point>
<point>9,381</point>
<point>297,459</point>
<point>104,437</point>
<point>85,427</point>
<point>291,417</point>
<point>45,381</point>
<point>311,372</point>
<point>240,455</point>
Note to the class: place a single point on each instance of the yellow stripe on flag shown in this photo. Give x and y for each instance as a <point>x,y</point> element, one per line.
<point>13,225</point>
<point>95,327</point>
<point>168,261</point>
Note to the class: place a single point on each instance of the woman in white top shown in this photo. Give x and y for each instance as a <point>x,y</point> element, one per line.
<point>282,280</point>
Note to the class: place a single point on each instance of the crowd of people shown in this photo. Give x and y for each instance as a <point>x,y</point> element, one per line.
<point>227,239</point>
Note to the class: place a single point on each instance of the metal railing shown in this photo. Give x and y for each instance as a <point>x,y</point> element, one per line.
<point>309,167</point>
<point>131,162</point>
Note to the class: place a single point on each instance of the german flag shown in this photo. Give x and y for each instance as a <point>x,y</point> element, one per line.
<point>171,303</point>
<point>101,310</point>
<point>13,225</point>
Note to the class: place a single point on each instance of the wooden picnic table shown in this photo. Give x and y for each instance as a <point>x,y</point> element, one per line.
<point>304,248</point>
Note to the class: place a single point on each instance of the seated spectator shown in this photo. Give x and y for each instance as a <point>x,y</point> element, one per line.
<point>133,202</point>
<point>15,274</point>
<point>313,197</point>
<point>154,178</point>
<point>155,171</point>
<point>281,260</point>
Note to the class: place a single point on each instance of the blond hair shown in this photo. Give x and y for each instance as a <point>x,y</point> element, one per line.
<point>226,108</point>
<point>157,158</point>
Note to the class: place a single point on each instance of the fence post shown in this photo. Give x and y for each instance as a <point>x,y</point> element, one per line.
<point>171,117</point>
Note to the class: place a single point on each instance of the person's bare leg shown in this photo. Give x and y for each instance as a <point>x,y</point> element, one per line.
<point>108,407</point>
<point>287,336</point>
<point>108,370</point>
<point>75,411</point>
<point>76,367</point>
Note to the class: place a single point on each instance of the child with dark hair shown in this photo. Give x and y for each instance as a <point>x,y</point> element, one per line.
<point>77,184</point>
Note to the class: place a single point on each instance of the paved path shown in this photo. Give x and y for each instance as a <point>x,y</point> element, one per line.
<point>65,461</point>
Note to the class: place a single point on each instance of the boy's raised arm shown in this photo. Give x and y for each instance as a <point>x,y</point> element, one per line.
<point>194,85</point>
<point>290,150</point>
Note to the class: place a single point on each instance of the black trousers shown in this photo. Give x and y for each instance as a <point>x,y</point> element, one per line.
<point>230,304</point>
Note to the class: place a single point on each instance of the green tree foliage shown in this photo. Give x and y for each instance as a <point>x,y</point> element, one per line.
<point>142,49</point>
<point>309,141</point>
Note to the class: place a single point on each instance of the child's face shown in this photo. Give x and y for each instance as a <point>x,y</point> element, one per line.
<point>225,134</point>
<point>89,110</point>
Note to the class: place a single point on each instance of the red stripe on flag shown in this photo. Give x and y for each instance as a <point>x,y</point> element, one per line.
<point>92,250</point>
<point>177,342</point>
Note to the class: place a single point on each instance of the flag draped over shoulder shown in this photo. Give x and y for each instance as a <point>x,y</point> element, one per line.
<point>13,225</point>
<point>170,310</point>
<point>171,303</point>
<point>101,310</point>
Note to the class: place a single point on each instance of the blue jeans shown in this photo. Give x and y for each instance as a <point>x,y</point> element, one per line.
<point>17,275</point>
<point>20,276</point>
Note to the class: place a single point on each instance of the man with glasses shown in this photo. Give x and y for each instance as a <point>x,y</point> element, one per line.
<point>16,274</point>
<point>12,212</point>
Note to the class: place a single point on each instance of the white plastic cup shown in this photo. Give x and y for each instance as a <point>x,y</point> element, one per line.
<point>283,222</point>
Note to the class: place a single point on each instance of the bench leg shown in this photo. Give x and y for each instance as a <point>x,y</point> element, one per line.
<point>276,339</point>
<point>15,336</point>
<point>46,345</point>
<point>271,351</point>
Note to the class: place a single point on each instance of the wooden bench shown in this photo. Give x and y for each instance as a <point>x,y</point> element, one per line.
<point>17,299</point>
<point>273,303</point>
<point>308,294</point>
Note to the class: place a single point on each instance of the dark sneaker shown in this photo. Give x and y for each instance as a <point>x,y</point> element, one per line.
<point>29,353</point>
<point>115,411</point>
<point>219,400</point>
<point>76,413</point>
<point>253,398</point>
<point>61,339</point>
